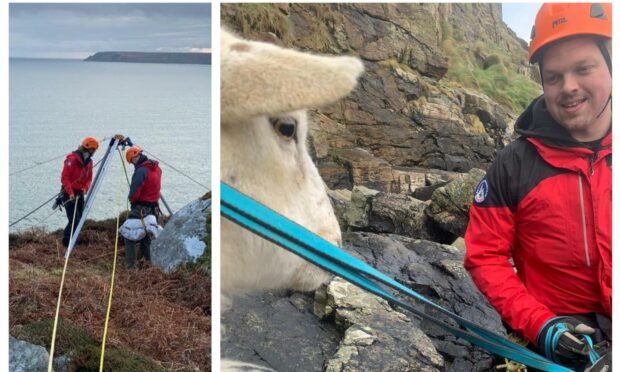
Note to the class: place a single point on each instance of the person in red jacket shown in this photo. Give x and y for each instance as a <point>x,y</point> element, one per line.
<point>144,199</point>
<point>545,202</point>
<point>76,177</point>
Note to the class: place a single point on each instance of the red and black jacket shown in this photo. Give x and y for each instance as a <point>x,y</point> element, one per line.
<point>77,174</point>
<point>145,182</point>
<point>545,203</point>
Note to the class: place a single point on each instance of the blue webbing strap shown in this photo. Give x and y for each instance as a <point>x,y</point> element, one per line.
<point>552,339</point>
<point>272,226</point>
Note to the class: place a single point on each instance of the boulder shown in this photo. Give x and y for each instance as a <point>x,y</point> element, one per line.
<point>183,238</point>
<point>26,357</point>
<point>449,206</point>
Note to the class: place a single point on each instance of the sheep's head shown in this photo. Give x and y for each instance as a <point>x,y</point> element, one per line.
<point>265,90</point>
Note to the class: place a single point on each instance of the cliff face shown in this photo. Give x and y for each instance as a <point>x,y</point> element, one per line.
<point>144,57</point>
<point>423,101</point>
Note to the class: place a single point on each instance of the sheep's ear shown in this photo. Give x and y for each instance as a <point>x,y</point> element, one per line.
<point>264,79</point>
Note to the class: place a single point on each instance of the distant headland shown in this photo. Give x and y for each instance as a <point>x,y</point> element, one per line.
<point>147,57</point>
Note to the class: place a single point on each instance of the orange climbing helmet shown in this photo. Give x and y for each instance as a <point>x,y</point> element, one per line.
<point>132,152</point>
<point>90,143</point>
<point>556,21</point>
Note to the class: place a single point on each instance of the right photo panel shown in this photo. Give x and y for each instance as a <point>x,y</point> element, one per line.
<point>411,187</point>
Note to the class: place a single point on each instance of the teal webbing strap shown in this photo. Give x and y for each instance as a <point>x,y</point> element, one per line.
<point>272,226</point>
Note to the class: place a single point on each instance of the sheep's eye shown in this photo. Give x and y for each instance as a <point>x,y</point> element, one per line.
<point>286,127</point>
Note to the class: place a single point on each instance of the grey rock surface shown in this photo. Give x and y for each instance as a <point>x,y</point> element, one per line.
<point>398,214</point>
<point>278,331</point>
<point>26,357</point>
<point>450,204</point>
<point>376,337</point>
<point>358,210</point>
<point>181,240</point>
<point>346,329</point>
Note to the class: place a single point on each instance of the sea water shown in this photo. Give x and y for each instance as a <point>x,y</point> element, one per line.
<point>53,104</point>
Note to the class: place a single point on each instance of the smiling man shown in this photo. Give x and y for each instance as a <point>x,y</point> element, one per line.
<point>545,203</point>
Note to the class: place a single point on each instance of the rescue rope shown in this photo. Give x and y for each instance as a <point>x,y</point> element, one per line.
<point>36,164</point>
<point>34,210</point>
<point>62,283</point>
<point>42,205</point>
<point>107,314</point>
<point>276,228</point>
<point>179,171</point>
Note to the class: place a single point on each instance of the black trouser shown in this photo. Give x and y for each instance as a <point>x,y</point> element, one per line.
<point>70,208</point>
<point>139,211</point>
<point>131,250</point>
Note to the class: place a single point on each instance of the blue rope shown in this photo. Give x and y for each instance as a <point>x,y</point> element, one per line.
<point>593,355</point>
<point>552,339</point>
<point>270,225</point>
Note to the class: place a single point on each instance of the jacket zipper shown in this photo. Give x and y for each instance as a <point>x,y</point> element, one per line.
<point>583,221</point>
<point>593,159</point>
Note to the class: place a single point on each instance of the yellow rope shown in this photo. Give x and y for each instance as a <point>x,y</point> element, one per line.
<point>62,283</point>
<point>107,315</point>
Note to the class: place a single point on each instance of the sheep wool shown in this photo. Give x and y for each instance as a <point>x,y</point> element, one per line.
<point>263,85</point>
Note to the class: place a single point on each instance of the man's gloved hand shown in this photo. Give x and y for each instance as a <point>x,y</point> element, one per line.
<point>558,340</point>
<point>603,364</point>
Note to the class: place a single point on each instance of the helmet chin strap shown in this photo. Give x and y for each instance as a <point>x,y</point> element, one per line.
<point>604,107</point>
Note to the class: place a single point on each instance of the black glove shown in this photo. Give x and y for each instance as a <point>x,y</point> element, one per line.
<point>559,341</point>
<point>603,364</point>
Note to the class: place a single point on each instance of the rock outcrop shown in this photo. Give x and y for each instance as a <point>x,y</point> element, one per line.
<point>408,110</point>
<point>183,239</point>
<point>354,330</point>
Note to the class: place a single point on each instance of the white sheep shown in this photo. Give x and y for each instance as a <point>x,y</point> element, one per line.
<point>265,90</point>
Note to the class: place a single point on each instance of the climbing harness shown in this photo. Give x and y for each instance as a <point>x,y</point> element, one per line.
<point>276,228</point>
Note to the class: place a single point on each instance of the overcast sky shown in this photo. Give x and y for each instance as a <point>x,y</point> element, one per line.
<point>79,30</point>
<point>520,17</point>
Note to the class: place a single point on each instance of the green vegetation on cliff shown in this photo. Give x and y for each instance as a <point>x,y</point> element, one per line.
<point>488,69</point>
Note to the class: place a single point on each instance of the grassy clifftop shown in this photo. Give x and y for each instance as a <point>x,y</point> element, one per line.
<point>158,321</point>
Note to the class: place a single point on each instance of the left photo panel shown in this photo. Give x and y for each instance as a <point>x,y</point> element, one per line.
<point>109,187</point>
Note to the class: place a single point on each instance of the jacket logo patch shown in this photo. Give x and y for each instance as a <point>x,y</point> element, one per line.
<point>481,191</point>
<point>69,162</point>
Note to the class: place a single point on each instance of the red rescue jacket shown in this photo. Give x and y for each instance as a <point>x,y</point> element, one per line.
<point>77,174</point>
<point>146,182</point>
<point>545,203</point>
